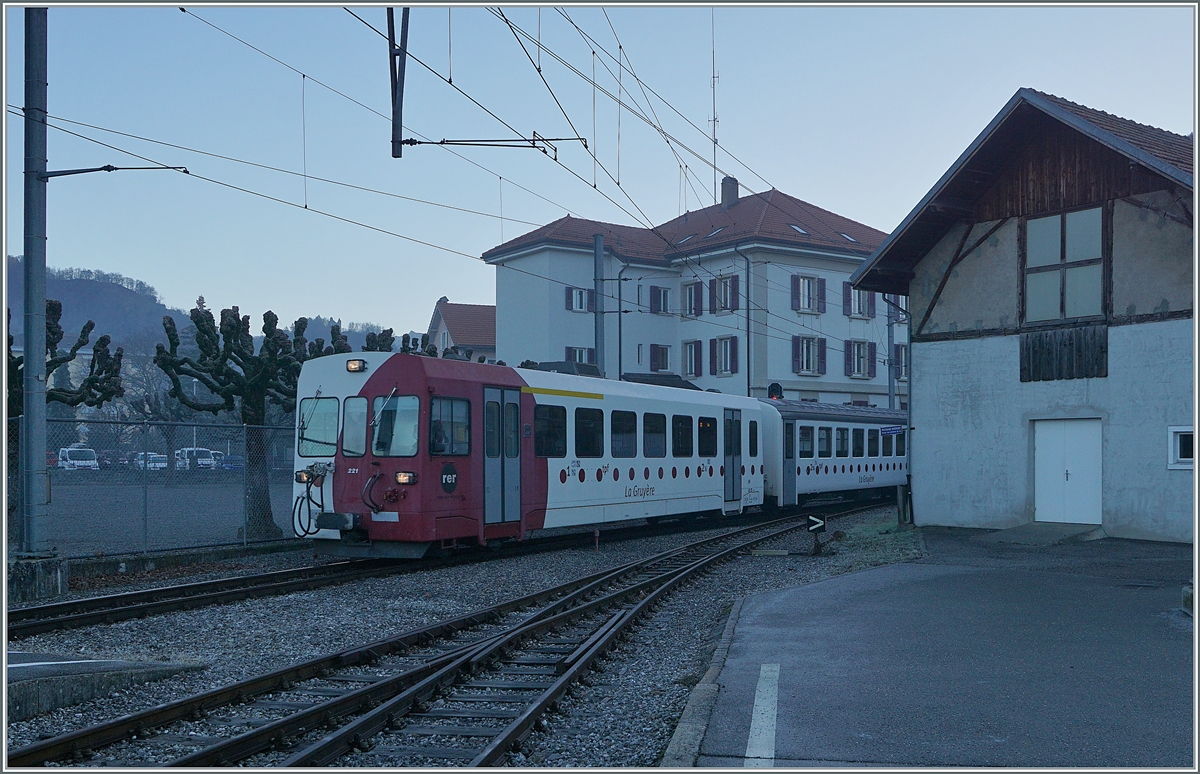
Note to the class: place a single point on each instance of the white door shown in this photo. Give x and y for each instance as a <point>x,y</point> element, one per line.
<point>1067,479</point>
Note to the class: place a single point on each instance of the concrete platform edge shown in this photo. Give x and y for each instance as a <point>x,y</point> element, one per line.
<point>29,698</point>
<point>684,747</point>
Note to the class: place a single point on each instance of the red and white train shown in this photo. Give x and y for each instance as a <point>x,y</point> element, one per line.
<point>398,453</point>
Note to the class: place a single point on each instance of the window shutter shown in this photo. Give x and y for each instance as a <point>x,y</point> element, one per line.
<point>821,356</point>
<point>871,359</point>
<point>653,355</point>
<point>699,286</point>
<point>896,361</point>
<point>871,304</point>
<point>712,296</point>
<point>795,348</point>
<point>655,304</point>
<point>591,300</point>
<point>848,356</point>
<point>795,291</point>
<point>698,356</point>
<point>712,356</point>
<point>733,353</point>
<point>591,355</point>
<point>569,355</point>
<point>846,298</point>
<point>734,299</point>
<point>570,305</point>
<point>821,295</point>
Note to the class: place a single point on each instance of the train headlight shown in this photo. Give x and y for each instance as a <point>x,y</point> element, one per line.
<point>355,366</point>
<point>406,477</point>
<point>304,476</point>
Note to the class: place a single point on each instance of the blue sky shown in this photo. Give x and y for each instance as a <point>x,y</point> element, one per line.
<point>858,110</point>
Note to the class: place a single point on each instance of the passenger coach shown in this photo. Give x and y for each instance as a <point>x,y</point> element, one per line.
<point>398,453</point>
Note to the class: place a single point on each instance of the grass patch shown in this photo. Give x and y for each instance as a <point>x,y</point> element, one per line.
<point>876,542</point>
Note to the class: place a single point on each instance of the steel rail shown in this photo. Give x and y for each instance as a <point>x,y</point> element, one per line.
<point>355,734</point>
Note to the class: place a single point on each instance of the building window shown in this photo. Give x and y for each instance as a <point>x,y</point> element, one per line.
<point>660,357</point>
<point>693,299</point>
<point>581,300</point>
<point>724,355</point>
<point>445,340</point>
<point>859,359</point>
<point>660,300</point>
<point>808,355</point>
<point>581,355</point>
<point>723,294</point>
<point>900,361</point>
<point>808,294</point>
<point>1064,266</point>
<point>1180,450</point>
<point>692,365</point>
<point>857,303</point>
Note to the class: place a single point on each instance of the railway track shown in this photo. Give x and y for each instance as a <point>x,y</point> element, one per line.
<point>72,614</point>
<point>463,690</point>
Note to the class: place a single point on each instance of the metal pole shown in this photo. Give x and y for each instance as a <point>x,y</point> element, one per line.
<point>598,284</point>
<point>891,366</point>
<point>34,476</point>
<point>145,487</point>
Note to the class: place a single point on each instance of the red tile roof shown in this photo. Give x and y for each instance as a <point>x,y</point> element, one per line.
<point>1175,149</point>
<point>470,325</point>
<point>763,217</point>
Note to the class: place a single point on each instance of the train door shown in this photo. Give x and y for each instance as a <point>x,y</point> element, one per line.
<point>501,455</point>
<point>733,459</point>
<point>789,464</point>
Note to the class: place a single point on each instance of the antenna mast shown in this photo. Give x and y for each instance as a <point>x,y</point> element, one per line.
<point>715,78</point>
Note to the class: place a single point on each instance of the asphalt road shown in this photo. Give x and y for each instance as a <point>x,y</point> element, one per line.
<point>979,655</point>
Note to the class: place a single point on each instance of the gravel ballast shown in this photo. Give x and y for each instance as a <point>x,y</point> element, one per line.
<point>624,719</point>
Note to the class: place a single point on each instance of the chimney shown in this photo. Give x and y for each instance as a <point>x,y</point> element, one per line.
<point>729,192</point>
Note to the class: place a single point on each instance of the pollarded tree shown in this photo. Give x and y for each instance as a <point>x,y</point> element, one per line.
<point>380,342</point>
<point>103,380</point>
<point>230,369</point>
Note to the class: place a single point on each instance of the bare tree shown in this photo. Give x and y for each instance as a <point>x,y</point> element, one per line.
<point>233,372</point>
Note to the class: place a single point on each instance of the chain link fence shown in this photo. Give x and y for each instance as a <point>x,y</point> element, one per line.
<point>127,487</point>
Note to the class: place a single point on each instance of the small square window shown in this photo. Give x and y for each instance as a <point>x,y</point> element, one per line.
<point>1180,448</point>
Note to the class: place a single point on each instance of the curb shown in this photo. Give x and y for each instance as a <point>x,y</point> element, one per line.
<point>29,698</point>
<point>684,747</point>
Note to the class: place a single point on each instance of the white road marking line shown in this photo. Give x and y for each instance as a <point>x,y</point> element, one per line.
<point>760,746</point>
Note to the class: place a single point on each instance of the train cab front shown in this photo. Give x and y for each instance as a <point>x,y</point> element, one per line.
<point>359,474</point>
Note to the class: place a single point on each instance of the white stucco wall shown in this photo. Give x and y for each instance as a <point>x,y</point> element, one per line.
<point>972,443</point>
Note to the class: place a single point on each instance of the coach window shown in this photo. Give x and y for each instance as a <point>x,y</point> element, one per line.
<point>872,443</point>
<point>354,427</point>
<point>843,442</point>
<point>394,426</point>
<point>512,430</point>
<point>491,428</point>
<point>825,441</point>
<point>858,442</point>
<point>753,438</point>
<point>624,433</point>
<point>654,435</point>
<point>550,431</point>
<point>589,432</point>
<point>887,446</point>
<point>707,442</point>
<point>789,441</point>
<point>900,452</point>
<point>318,427</point>
<point>449,426</point>
<point>806,443</point>
<point>681,436</point>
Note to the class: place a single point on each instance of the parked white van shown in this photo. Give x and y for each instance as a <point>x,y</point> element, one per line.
<point>194,458</point>
<point>77,458</point>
